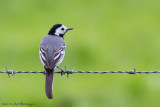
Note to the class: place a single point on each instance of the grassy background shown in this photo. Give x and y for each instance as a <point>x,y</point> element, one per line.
<point>108,35</point>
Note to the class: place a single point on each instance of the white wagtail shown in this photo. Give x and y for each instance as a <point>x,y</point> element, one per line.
<point>52,51</point>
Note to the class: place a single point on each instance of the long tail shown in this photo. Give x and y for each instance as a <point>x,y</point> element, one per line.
<point>49,82</point>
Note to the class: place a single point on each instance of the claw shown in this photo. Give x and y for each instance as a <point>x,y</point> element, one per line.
<point>62,72</point>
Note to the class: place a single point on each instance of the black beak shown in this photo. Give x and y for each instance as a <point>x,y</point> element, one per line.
<point>69,29</point>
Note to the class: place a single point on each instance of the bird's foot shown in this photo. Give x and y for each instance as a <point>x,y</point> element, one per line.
<point>62,71</point>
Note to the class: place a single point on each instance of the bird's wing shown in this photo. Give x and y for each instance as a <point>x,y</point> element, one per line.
<point>58,56</point>
<point>55,59</point>
<point>44,56</point>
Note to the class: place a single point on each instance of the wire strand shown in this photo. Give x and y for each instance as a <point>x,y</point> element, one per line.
<point>72,72</point>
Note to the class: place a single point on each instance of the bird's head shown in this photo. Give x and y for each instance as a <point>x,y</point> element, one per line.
<point>58,30</point>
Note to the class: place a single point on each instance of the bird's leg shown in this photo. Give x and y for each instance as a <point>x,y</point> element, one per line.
<point>62,71</point>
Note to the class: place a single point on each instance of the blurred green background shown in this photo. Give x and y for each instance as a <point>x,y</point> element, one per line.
<point>108,35</point>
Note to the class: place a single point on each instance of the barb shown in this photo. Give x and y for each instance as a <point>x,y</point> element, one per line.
<point>72,72</point>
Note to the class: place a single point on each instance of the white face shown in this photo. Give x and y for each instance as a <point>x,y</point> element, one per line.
<point>61,30</point>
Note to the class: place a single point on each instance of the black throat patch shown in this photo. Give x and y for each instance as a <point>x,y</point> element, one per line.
<point>61,35</point>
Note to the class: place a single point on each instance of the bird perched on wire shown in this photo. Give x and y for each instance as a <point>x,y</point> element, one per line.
<point>52,51</point>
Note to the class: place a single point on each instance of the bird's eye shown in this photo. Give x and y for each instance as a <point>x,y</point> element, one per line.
<point>62,28</point>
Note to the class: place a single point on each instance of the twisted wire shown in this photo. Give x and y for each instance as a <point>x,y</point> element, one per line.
<point>72,72</point>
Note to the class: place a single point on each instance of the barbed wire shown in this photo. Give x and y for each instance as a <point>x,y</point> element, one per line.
<point>73,71</point>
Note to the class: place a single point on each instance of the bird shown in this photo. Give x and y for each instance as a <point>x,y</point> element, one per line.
<point>51,52</point>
